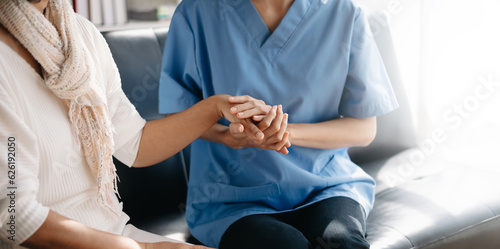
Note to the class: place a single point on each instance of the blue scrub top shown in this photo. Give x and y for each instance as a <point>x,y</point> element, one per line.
<point>321,63</point>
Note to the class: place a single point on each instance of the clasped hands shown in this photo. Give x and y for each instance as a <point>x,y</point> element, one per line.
<point>256,124</point>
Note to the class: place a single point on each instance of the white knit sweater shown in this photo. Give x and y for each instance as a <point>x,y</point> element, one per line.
<point>50,170</point>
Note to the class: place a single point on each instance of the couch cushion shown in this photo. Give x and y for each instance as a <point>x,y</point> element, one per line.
<point>432,207</point>
<point>483,235</point>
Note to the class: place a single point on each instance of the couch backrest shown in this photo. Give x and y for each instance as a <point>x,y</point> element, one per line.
<point>138,55</point>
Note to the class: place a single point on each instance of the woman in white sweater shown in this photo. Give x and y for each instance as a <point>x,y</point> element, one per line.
<point>63,115</point>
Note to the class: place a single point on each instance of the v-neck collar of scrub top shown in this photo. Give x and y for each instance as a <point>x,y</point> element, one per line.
<point>287,27</point>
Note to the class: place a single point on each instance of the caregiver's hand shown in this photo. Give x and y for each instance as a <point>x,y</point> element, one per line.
<point>273,125</point>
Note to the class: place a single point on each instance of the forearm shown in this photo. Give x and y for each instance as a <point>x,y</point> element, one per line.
<point>60,232</point>
<point>165,137</point>
<point>338,133</point>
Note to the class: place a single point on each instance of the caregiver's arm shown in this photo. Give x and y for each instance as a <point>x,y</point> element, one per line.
<point>338,133</point>
<point>165,137</point>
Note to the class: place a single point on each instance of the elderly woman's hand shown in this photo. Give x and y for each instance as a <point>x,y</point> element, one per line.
<point>241,109</point>
<point>248,107</point>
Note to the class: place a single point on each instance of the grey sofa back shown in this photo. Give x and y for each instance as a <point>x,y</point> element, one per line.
<point>160,188</point>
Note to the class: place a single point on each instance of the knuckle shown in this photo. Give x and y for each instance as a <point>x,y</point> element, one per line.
<point>279,137</point>
<point>273,143</point>
<point>275,128</point>
<point>265,124</point>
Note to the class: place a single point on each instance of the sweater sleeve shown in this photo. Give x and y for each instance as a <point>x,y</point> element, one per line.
<point>20,212</point>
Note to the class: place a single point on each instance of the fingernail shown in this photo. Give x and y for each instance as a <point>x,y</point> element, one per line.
<point>241,114</point>
<point>234,109</point>
<point>231,98</point>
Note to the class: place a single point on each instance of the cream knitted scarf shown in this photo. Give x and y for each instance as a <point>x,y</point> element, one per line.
<point>54,42</point>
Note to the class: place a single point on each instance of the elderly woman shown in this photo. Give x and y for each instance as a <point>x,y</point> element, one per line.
<point>63,116</point>
<point>319,60</point>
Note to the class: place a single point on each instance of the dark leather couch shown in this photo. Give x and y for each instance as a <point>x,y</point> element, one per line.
<point>422,201</point>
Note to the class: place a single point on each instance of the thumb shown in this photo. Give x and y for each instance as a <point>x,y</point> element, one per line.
<point>236,128</point>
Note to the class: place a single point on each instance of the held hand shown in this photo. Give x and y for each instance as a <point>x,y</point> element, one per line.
<point>273,125</point>
<point>240,109</point>
<point>248,107</point>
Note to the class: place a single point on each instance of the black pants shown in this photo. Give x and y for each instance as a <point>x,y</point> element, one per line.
<point>333,223</point>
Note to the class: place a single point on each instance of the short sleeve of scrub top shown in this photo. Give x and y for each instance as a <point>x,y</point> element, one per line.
<point>179,76</point>
<point>365,93</point>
